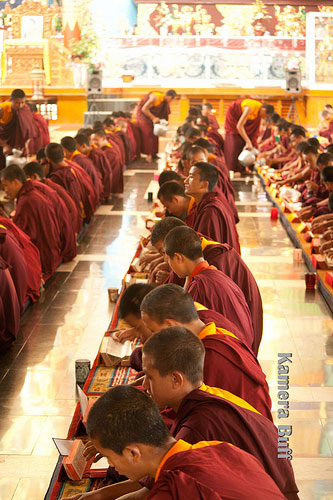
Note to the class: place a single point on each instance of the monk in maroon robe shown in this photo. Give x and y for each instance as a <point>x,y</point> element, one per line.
<point>226,259</point>
<point>31,258</point>
<point>73,155</point>
<point>207,111</point>
<point>229,363</point>
<point>152,108</point>
<point>9,307</point>
<point>100,140</point>
<point>72,178</point>
<point>132,137</point>
<point>121,131</point>
<point>198,154</point>
<point>43,137</point>
<point>67,233</point>
<point>36,216</point>
<point>100,161</point>
<point>212,215</point>
<point>204,413</point>
<point>242,125</point>
<point>17,125</point>
<point>206,470</point>
<point>13,255</point>
<point>205,283</point>
<point>137,134</point>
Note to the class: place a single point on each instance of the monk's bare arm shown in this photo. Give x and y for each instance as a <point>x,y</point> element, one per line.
<point>302,176</point>
<point>146,109</point>
<point>136,495</point>
<point>110,492</point>
<point>241,129</point>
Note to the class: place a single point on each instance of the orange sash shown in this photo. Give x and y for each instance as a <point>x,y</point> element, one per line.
<point>200,268</point>
<point>211,329</point>
<point>180,446</point>
<point>228,396</point>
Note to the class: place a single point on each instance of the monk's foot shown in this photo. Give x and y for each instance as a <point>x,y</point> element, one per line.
<point>149,158</point>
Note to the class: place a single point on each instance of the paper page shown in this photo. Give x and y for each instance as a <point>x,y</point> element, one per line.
<point>118,349</point>
<point>101,464</point>
<point>64,446</point>
<point>83,400</point>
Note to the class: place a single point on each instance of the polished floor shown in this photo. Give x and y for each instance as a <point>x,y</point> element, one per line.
<point>37,390</point>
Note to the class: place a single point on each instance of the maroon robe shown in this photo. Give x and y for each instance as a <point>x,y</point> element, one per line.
<point>67,234</point>
<point>43,138</point>
<point>118,145</point>
<point>213,217</point>
<point>103,166</point>
<point>66,178</point>
<point>35,215</point>
<point>232,366</point>
<point>93,173</point>
<point>214,290</point>
<point>215,472</point>
<point>21,128</point>
<point>117,169</point>
<point>89,196</point>
<point>127,145</point>
<point>31,257</point>
<point>131,136</point>
<point>208,417</point>
<point>328,133</point>
<point>226,259</point>
<point>149,143</point>
<point>137,134</point>
<point>213,123</point>
<point>13,255</point>
<point>74,212</point>
<point>223,186</point>
<point>209,316</point>
<point>217,140</point>
<point>234,143</point>
<point>9,308</point>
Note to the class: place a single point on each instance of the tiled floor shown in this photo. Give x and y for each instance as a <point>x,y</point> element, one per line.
<point>37,392</point>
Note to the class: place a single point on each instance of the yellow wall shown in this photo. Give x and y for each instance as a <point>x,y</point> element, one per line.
<point>72,103</point>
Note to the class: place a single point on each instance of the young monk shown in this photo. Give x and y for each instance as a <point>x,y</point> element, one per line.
<point>226,259</point>
<point>126,426</point>
<point>99,139</point>
<point>173,197</point>
<point>17,126</point>
<point>72,178</point>
<point>229,363</point>
<point>31,258</point>
<point>73,155</point>
<point>66,228</point>
<point>173,361</point>
<point>242,125</point>
<point>212,135</point>
<point>35,215</point>
<point>207,111</point>
<point>197,155</point>
<point>35,171</point>
<point>152,108</point>
<point>207,285</point>
<point>211,215</point>
<point>100,162</point>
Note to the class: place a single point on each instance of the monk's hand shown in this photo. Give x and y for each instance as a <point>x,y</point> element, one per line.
<point>248,145</point>
<point>123,335</point>
<point>305,213</point>
<point>311,185</point>
<point>91,452</point>
<point>155,263</point>
<point>156,120</point>
<point>148,257</point>
<point>161,277</point>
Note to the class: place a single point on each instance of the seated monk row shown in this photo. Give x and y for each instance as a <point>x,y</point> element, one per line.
<point>224,258</point>
<point>229,363</point>
<point>202,416</point>
<point>203,210</point>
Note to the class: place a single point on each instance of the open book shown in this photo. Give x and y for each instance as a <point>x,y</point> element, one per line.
<point>113,352</point>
